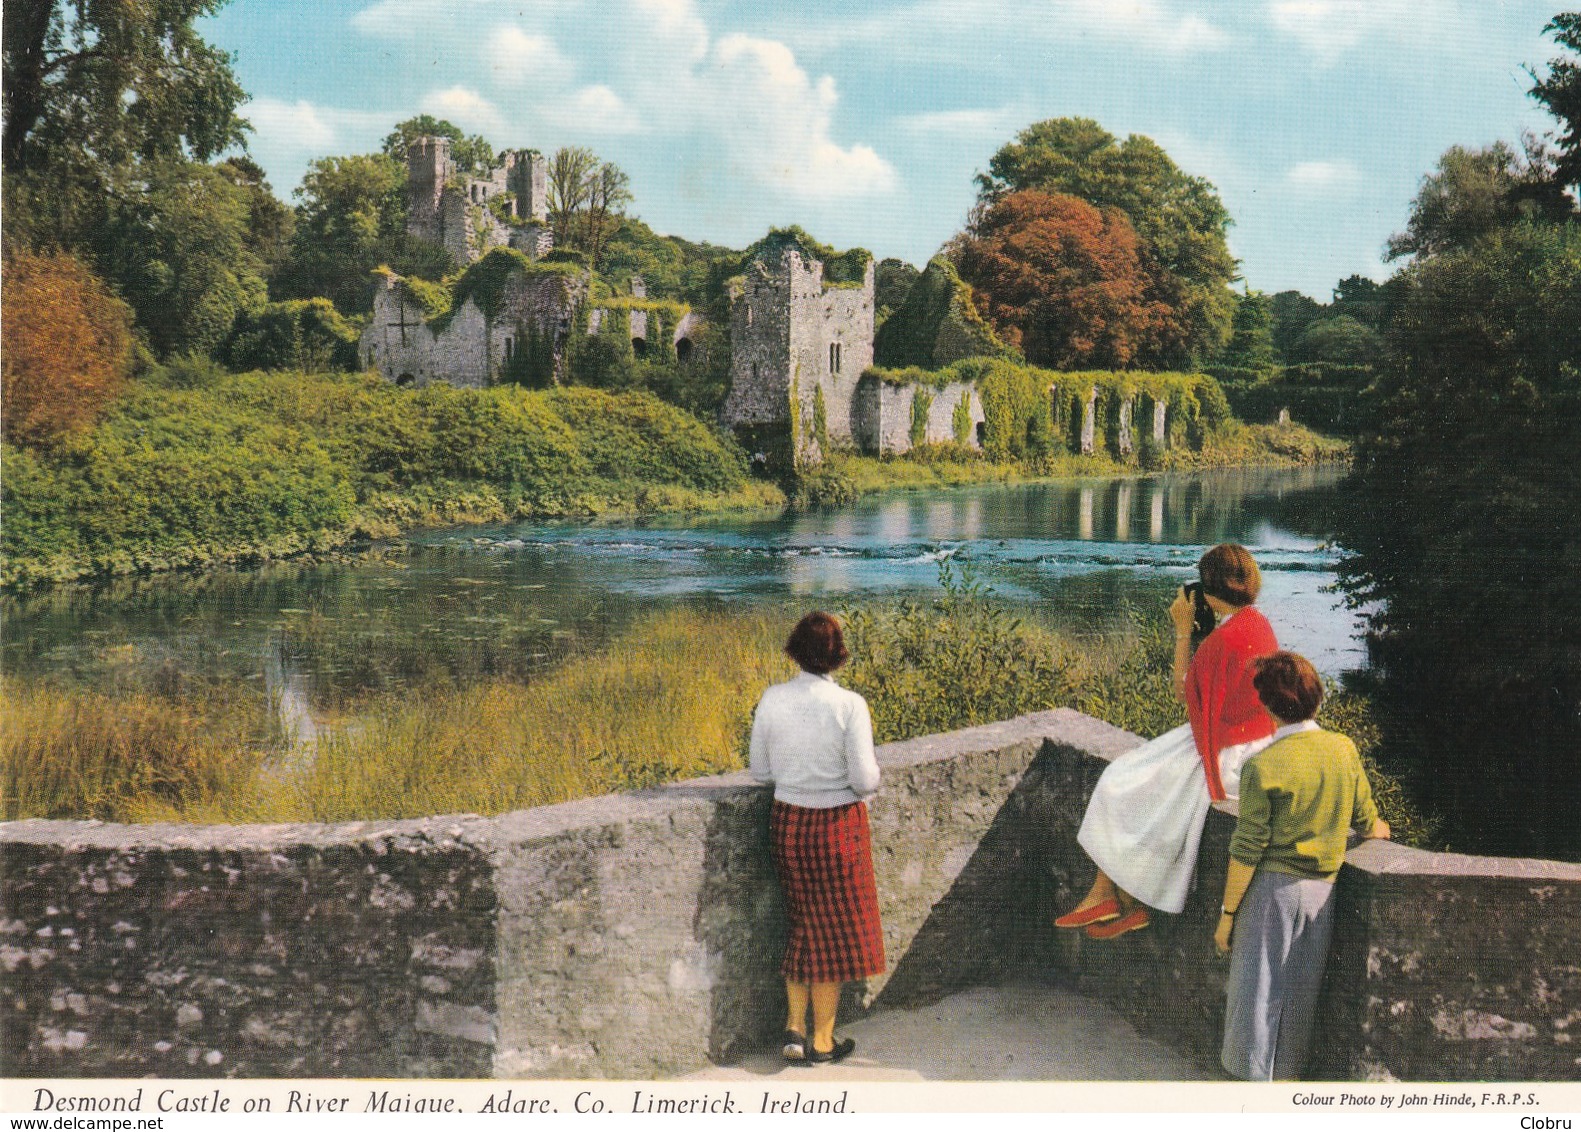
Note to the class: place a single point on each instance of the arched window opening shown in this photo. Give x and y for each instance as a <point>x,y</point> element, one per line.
<point>683,350</point>
<point>405,379</point>
<point>639,346</point>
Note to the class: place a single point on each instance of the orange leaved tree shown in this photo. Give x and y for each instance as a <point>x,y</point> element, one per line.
<point>1062,281</point>
<point>65,347</point>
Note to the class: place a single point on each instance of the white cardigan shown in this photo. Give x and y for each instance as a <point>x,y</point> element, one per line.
<point>813,740</point>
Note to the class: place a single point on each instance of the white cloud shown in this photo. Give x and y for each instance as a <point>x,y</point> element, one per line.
<point>1323,176</point>
<point>994,123</point>
<point>599,110</point>
<point>623,67</point>
<point>300,123</point>
<point>776,120</point>
<point>518,59</point>
<point>934,29</point>
<point>1331,28</point>
<point>307,127</point>
<point>466,108</point>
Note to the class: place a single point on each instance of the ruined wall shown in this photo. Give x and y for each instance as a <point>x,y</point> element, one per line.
<point>471,349</point>
<point>882,414</point>
<point>638,935</point>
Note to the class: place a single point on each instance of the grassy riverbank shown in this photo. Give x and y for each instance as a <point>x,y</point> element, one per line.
<point>187,473</point>
<point>670,698</point>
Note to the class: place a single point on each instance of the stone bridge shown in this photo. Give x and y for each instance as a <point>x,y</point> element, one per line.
<point>638,935</point>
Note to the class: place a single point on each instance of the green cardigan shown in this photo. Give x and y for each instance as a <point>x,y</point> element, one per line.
<point>1299,796</point>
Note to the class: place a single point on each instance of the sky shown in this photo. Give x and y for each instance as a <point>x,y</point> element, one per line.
<point>866,122</point>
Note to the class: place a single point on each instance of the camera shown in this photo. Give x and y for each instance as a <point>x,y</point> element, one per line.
<point>1202,619</point>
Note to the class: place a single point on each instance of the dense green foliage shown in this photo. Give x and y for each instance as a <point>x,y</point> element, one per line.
<point>1560,92</point>
<point>935,324</point>
<point>1467,496</point>
<point>304,334</point>
<point>263,465</point>
<point>846,268</point>
<point>1465,530</point>
<point>957,661</point>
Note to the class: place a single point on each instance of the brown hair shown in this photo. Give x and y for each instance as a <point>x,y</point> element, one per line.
<point>1230,574</point>
<point>1288,685</point>
<point>817,644</point>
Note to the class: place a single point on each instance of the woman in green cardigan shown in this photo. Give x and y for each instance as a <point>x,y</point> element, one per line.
<point>1299,797</point>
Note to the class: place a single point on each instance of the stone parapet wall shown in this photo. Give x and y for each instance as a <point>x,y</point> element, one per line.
<point>638,935</point>
<point>1443,967</point>
<point>633,935</point>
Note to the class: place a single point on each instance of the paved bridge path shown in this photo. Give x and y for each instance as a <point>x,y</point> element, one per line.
<point>1023,1032</point>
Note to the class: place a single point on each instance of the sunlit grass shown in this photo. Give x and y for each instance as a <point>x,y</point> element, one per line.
<point>671,698</point>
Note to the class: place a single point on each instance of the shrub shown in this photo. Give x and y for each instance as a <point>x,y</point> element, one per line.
<point>65,347</point>
<point>305,334</point>
<point>960,660</point>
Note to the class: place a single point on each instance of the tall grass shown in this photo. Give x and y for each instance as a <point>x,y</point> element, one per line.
<point>670,699</point>
<point>132,757</point>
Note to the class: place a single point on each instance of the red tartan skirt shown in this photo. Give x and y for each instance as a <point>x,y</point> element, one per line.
<point>824,859</point>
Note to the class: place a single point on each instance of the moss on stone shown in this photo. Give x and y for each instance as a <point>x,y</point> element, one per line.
<point>937,324</point>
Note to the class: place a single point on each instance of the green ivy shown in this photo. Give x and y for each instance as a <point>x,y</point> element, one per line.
<point>921,404</point>
<point>961,419</point>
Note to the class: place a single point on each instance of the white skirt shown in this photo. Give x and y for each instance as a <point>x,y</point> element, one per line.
<point>1144,819</point>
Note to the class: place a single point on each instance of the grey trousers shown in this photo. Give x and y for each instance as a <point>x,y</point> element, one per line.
<point>1277,954</point>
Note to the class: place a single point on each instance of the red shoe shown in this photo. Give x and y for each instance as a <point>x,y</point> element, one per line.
<point>1099,913</point>
<point>1134,920</point>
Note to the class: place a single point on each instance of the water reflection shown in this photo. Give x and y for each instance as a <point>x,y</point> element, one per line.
<point>512,599</point>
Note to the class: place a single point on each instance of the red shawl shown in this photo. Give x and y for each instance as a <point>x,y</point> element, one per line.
<point>1220,700</point>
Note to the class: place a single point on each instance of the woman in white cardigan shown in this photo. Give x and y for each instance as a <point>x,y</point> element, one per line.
<point>813,740</point>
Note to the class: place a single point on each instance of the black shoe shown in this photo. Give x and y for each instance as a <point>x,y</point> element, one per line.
<point>793,1046</point>
<point>843,1048</point>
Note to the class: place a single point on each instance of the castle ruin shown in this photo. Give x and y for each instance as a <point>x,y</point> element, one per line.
<point>453,212</point>
<point>798,342</point>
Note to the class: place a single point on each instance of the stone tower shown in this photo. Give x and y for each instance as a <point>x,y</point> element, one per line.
<point>527,175</point>
<point>792,337</point>
<point>427,170</point>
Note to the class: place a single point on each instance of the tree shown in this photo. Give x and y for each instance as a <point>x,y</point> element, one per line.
<point>609,190</point>
<point>1291,313</point>
<point>1341,340</point>
<point>178,250</point>
<point>1473,193</point>
<point>91,84</point>
<point>892,281</point>
<point>1179,218</point>
<point>570,177</point>
<point>350,218</point>
<point>65,347</point>
<point>1466,534</point>
<point>269,221</point>
<point>1251,345</point>
<point>1560,92</point>
<point>469,156</point>
<point>1062,281</point>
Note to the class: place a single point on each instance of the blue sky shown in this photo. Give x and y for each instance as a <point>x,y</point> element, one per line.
<point>865,122</point>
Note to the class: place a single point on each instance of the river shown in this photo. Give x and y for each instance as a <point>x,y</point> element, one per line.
<point>509,598</point>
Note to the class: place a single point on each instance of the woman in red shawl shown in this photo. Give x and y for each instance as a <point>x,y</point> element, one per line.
<point>1144,820</point>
